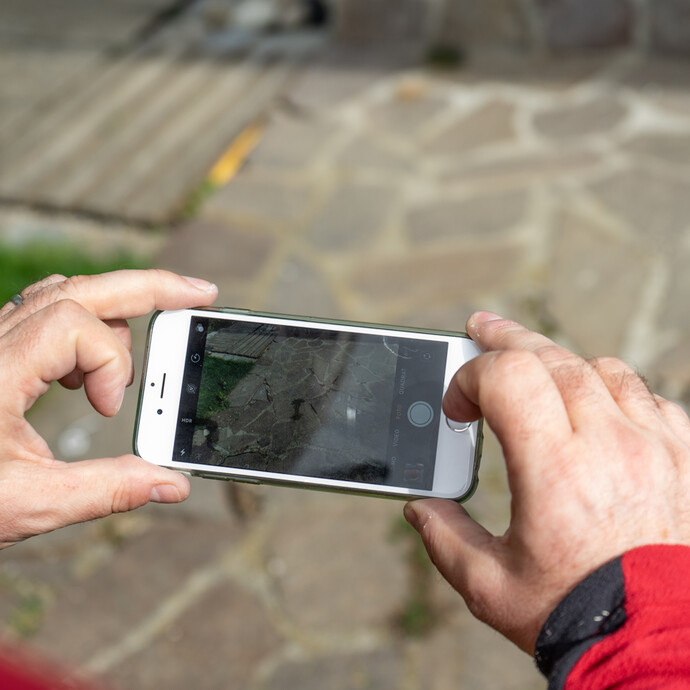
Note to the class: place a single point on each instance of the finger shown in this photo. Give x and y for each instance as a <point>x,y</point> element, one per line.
<point>73,381</point>
<point>585,395</point>
<point>80,491</point>
<point>492,332</point>
<point>516,394</point>
<point>120,328</point>
<point>120,294</point>
<point>127,294</point>
<point>464,552</point>
<point>53,343</point>
<point>456,403</point>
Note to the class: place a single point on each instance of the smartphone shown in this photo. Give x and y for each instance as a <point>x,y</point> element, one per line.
<point>333,405</point>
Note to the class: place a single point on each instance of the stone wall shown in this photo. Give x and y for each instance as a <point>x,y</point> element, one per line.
<point>651,26</point>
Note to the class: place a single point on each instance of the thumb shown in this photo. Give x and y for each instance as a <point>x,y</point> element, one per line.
<point>463,551</point>
<point>41,497</point>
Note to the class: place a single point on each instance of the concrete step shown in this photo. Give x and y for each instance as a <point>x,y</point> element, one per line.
<point>132,135</point>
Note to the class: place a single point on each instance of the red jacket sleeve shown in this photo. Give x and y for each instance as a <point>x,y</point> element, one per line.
<point>22,669</point>
<point>625,626</point>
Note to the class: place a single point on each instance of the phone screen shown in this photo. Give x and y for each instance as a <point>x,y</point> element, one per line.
<point>308,401</point>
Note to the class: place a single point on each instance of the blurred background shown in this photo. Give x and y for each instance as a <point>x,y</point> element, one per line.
<point>399,161</point>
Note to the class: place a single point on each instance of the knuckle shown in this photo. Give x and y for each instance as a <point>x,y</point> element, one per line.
<point>43,284</point>
<point>68,309</point>
<point>121,500</point>
<point>159,278</point>
<point>604,365</point>
<point>670,407</point>
<point>73,286</point>
<point>507,367</point>
<point>500,327</point>
<point>508,361</point>
<point>554,354</point>
<point>607,362</point>
<point>619,376</point>
<point>160,273</point>
<point>53,278</point>
<point>131,490</point>
<point>40,294</point>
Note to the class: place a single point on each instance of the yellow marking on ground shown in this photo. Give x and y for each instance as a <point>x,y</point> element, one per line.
<point>226,167</point>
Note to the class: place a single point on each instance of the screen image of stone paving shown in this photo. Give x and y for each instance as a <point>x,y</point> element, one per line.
<point>317,405</point>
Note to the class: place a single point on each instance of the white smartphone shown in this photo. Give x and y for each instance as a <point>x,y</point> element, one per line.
<point>341,406</point>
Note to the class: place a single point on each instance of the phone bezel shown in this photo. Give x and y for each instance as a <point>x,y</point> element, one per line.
<point>457,456</point>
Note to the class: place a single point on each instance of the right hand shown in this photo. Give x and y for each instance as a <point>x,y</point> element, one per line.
<point>597,465</point>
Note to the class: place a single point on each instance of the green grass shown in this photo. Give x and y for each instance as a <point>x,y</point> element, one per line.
<point>27,601</point>
<point>26,619</point>
<point>219,378</point>
<point>190,209</point>
<point>25,264</point>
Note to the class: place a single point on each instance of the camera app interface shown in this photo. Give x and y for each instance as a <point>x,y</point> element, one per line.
<point>314,402</point>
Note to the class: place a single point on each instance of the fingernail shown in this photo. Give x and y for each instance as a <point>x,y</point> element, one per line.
<point>165,493</point>
<point>411,516</point>
<point>485,316</point>
<point>201,284</point>
<point>119,402</point>
<point>481,317</point>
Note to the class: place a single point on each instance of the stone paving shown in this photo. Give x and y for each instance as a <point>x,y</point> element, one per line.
<point>554,191</point>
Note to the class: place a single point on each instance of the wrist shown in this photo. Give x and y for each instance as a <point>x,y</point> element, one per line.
<point>591,610</point>
<point>640,595</point>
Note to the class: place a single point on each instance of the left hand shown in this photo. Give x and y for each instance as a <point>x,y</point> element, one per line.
<point>73,330</point>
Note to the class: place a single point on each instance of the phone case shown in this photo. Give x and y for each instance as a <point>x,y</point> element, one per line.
<point>296,483</point>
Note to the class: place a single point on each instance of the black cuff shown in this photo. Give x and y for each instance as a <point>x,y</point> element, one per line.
<point>592,610</point>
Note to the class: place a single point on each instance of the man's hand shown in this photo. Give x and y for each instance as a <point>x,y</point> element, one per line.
<point>73,330</point>
<point>596,465</point>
